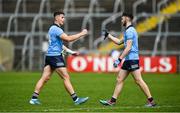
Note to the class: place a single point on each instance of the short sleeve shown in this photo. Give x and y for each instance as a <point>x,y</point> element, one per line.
<point>58,31</point>
<point>129,34</point>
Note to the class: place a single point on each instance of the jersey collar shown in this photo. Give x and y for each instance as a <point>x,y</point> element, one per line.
<point>56,25</point>
<point>129,26</point>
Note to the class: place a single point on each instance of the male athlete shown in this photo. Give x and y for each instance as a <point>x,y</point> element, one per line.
<point>54,59</point>
<point>131,63</point>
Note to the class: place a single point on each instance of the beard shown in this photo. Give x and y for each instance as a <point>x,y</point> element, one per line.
<point>124,24</point>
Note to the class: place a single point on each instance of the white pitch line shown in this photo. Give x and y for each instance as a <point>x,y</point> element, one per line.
<point>111,108</point>
<point>90,109</point>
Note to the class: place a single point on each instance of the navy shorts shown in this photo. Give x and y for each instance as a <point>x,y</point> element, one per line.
<point>130,65</point>
<point>55,61</point>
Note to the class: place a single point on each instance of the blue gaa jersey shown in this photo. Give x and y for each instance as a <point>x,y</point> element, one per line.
<point>131,34</point>
<point>55,42</point>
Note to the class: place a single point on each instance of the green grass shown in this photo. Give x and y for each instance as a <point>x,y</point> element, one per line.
<point>16,89</point>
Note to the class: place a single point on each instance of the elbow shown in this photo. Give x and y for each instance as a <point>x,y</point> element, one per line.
<point>68,39</point>
<point>129,49</point>
<point>119,43</point>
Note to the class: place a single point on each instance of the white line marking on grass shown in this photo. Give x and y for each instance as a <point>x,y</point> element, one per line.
<point>111,108</point>
<point>91,109</point>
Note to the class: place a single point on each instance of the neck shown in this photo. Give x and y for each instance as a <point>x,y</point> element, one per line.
<point>128,24</point>
<point>55,22</point>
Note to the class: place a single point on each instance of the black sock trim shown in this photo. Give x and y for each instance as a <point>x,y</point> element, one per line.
<point>150,99</point>
<point>74,96</point>
<point>35,95</point>
<point>113,99</point>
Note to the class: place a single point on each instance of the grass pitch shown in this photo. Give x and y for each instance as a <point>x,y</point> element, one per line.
<point>16,89</point>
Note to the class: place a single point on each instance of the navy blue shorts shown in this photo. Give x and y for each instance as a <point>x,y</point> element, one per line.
<point>130,65</point>
<point>55,61</point>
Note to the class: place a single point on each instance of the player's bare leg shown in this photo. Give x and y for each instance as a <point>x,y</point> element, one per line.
<point>62,72</point>
<point>44,78</point>
<point>67,84</point>
<point>118,88</point>
<point>120,82</point>
<point>140,82</point>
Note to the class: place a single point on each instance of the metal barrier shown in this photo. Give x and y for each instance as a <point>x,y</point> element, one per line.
<point>159,28</point>
<point>69,8</point>
<point>14,16</point>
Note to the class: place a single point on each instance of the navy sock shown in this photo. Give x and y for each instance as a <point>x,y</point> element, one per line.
<point>35,95</point>
<point>113,99</point>
<point>150,99</point>
<point>74,96</point>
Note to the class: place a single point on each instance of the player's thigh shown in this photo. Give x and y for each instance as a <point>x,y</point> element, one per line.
<point>122,75</point>
<point>137,75</point>
<point>47,72</point>
<point>62,72</point>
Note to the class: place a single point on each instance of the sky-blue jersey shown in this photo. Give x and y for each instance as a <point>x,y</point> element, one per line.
<point>55,42</point>
<point>131,34</point>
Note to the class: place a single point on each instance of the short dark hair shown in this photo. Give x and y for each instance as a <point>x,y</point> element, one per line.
<point>58,13</point>
<point>128,15</point>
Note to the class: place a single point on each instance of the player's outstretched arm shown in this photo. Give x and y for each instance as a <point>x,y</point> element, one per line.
<point>70,51</point>
<point>70,38</point>
<point>106,34</point>
<point>116,40</point>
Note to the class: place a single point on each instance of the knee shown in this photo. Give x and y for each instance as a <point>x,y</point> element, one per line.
<point>45,79</point>
<point>138,81</point>
<point>66,77</point>
<point>119,80</point>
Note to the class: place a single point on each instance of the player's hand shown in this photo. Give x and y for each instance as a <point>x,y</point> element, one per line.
<point>76,53</point>
<point>105,33</point>
<point>84,32</point>
<point>117,62</point>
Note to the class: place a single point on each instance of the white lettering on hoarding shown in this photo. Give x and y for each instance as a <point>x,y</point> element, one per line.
<point>105,64</point>
<point>79,64</point>
<point>165,65</point>
<point>147,65</point>
<point>99,64</point>
<point>110,67</point>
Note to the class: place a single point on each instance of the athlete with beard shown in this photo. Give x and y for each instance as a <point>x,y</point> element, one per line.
<point>131,61</point>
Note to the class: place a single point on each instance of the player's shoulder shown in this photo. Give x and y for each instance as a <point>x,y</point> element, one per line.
<point>131,30</point>
<point>55,28</point>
